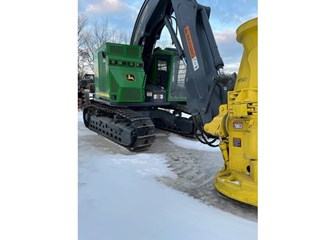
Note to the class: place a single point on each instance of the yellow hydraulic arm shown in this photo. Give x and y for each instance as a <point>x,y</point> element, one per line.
<point>236,125</point>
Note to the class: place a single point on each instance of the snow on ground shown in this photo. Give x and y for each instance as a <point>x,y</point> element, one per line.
<point>191,144</point>
<point>119,198</point>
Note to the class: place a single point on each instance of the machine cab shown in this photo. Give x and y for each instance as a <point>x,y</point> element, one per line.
<point>166,80</point>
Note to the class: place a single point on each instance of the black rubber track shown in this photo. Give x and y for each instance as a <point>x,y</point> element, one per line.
<point>123,126</point>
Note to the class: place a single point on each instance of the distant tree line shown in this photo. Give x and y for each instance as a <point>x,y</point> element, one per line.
<point>91,35</point>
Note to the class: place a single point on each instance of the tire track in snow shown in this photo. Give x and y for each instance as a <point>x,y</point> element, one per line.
<point>195,172</point>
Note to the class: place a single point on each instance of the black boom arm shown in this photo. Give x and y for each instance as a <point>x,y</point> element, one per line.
<point>205,85</point>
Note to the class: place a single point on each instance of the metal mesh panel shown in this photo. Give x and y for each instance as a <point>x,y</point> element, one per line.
<point>177,88</point>
<point>118,50</point>
<point>132,52</point>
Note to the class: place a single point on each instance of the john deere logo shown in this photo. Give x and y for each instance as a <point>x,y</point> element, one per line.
<point>130,77</point>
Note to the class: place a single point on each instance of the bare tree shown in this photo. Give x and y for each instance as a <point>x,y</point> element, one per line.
<point>82,24</point>
<point>82,52</point>
<point>91,37</point>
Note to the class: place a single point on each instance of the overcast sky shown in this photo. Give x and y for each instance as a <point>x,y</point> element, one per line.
<point>226,16</point>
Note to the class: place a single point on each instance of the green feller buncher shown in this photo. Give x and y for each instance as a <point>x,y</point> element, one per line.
<point>129,103</point>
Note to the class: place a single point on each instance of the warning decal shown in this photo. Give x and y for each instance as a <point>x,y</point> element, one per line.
<point>237,125</point>
<point>191,48</point>
<point>237,142</point>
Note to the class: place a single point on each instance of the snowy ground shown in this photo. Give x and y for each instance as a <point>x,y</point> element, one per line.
<point>123,195</point>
